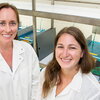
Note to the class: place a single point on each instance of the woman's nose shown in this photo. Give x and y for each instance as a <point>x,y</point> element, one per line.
<point>8,28</point>
<point>65,52</point>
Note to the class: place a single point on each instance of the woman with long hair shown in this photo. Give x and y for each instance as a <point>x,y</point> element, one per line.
<point>68,76</point>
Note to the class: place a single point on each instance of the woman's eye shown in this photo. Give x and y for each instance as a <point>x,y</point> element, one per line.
<point>2,23</point>
<point>72,47</point>
<point>59,46</point>
<point>13,23</point>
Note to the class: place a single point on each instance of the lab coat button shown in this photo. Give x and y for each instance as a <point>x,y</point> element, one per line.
<point>19,58</point>
<point>22,49</point>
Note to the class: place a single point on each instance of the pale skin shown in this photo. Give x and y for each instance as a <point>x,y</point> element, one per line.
<point>8,31</point>
<point>68,53</point>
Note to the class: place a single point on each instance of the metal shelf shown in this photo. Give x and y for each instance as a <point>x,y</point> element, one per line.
<point>85,15</point>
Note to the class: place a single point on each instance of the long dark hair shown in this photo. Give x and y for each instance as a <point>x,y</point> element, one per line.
<point>86,63</point>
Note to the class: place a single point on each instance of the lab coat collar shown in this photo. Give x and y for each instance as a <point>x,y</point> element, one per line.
<point>77,81</point>
<point>18,47</point>
<point>17,58</point>
<point>18,50</point>
<point>3,65</point>
<point>75,84</point>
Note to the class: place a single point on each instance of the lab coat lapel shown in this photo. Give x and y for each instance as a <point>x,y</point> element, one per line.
<point>18,50</point>
<point>3,65</point>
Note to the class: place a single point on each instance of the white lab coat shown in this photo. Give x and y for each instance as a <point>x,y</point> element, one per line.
<point>82,87</point>
<point>22,82</point>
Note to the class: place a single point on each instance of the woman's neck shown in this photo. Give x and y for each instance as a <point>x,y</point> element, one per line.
<point>6,51</point>
<point>68,75</point>
<point>5,46</point>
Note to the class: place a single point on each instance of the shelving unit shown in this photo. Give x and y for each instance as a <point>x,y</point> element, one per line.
<point>83,15</point>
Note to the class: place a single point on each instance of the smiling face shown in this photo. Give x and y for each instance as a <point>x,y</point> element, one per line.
<point>8,25</point>
<point>68,52</point>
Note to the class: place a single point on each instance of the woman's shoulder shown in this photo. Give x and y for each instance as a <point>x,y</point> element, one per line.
<point>91,81</point>
<point>22,44</point>
<point>17,42</point>
<point>90,87</point>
